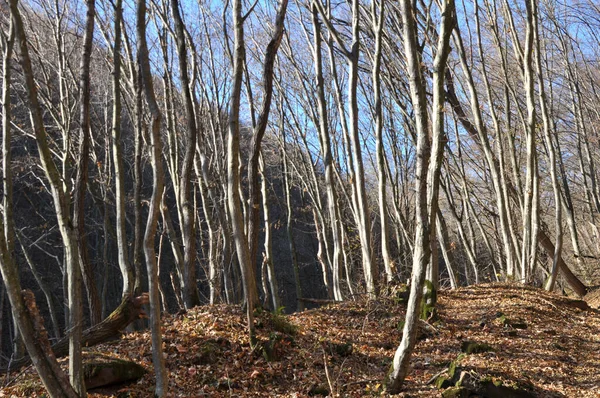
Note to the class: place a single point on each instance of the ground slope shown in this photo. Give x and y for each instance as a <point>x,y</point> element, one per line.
<point>541,342</point>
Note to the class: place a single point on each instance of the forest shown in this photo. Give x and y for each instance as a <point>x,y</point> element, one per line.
<point>273,156</point>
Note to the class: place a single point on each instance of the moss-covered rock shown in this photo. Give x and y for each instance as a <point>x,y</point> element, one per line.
<point>456,392</point>
<point>513,323</point>
<point>100,370</point>
<point>473,347</point>
<point>443,382</point>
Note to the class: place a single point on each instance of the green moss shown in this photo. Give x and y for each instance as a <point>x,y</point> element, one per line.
<point>456,392</point>
<point>452,369</point>
<point>473,347</point>
<point>442,382</point>
<point>283,325</point>
<point>429,301</point>
<point>506,322</point>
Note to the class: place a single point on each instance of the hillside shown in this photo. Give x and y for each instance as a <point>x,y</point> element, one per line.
<point>539,342</point>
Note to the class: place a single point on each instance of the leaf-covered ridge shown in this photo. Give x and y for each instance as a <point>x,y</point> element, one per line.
<point>344,349</point>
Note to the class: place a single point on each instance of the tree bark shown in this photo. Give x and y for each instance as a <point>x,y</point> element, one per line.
<point>233,173</point>
<point>162,383</point>
<point>427,172</point>
<point>259,131</point>
<point>54,379</point>
<point>127,272</point>
<point>189,287</point>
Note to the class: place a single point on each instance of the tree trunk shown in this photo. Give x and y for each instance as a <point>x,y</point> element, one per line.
<point>52,376</point>
<point>259,131</point>
<point>233,174</point>
<point>325,142</point>
<point>427,174</point>
<point>189,287</point>
<point>117,152</point>
<point>162,384</point>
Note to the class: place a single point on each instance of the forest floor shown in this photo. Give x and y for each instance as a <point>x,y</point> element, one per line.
<point>538,341</point>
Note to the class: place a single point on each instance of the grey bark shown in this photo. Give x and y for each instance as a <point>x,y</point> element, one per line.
<point>52,376</point>
<point>125,266</point>
<point>162,384</point>
<point>189,286</point>
<point>233,174</point>
<point>427,172</point>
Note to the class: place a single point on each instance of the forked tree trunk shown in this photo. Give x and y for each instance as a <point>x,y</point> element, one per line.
<point>427,174</point>
<point>61,205</point>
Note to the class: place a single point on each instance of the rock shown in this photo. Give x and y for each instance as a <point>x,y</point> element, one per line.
<point>442,382</point>
<point>473,347</point>
<point>318,389</point>
<point>456,392</point>
<point>490,388</point>
<point>516,324</point>
<point>100,371</point>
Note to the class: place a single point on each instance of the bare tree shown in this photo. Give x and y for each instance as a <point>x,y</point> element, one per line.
<point>429,159</point>
<point>54,379</point>
<point>190,290</point>
<point>117,152</point>
<point>233,176</point>
<point>158,359</point>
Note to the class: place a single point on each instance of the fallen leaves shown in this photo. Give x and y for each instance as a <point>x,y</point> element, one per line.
<point>347,347</point>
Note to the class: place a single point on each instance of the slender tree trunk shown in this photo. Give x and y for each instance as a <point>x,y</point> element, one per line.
<point>117,152</point>
<point>268,256</point>
<point>162,383</point>
<point>371,273</point>
<point>233,174</point>
<point>378,21</point>
<point>443,238</point>
<point>259,131</point>
<point>548,133</point>
<point>289,226</point>
<point>528,250</point>
<point>8,216</point>
<point>190,289</point>
<point>427,173</point>
<point>325,142</point>
<point>53,378</point>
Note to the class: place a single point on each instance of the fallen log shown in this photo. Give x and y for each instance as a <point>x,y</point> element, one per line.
<point>128,311</point>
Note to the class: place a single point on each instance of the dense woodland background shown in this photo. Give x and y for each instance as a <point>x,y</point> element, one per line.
<point>326,205</point>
